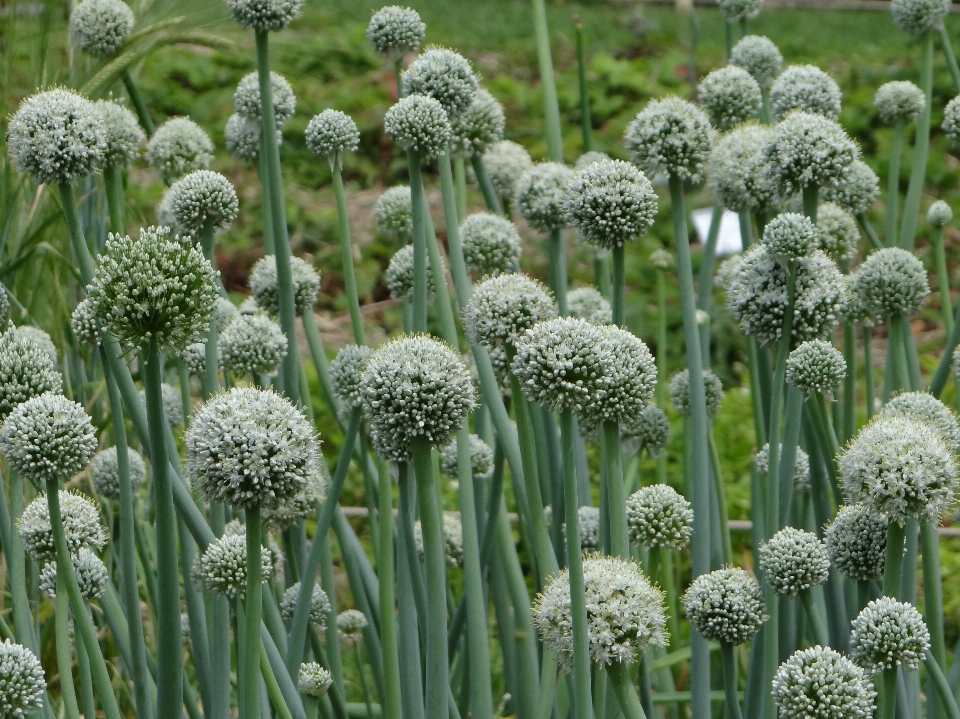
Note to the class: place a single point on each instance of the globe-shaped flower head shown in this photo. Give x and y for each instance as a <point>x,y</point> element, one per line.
<point>611,202</point>
<point>588,304</point>
<point>491,244</point>
<point>346,373</point>
<point>505,163</point>
<point>915,17</point>
<point>924,407</point>
<point>81,526</point>
<point>264,285</point>
<point>680,392</point>
<point>806,88</point>
<point>90,571</point>
<point>154,290</point>
<point>541,196</point>
<point>250,448</point>
<point>839,234</point>
<point>395,31</point>
<point>627,381</point>
<point>857,190</point>
<point>671,136</point>
<point>887,634</point>
<point>38,337</point>
<point>301,505</point>
<point>816,367</point>
<point>820,682</point>
<point>26,371</point>
<point>897,466</point>
<point>331,134</point>
<point>739,9</point>
<point>809,149</point>
<point>652,430</point>
<point>400,277</point>
<point>313,680</point>
<point>57,137</point>
<point>452,539</point>
<point>350,626</point>
<point>857,541</point>
<point>21,676</point>
<point>725,605</point>
<point>172,403</point>
<point>951,122</point>
<point>730,96</point>
<point>501,309</point>
<point>659,516</point>
<point>479,126</point>
<point>418,124</point>
<point>124,135</point>
<point>801,467</point>
<point>246,98</point>
<point>939,215</point>
<point>625,614</point>
<point>241,135</point>
<point>899,101</point>
<point>100,27</point>
<point>83,323</point>
<point>481,459</point>
<point>790,236</point>
<point>264,15</point>
<point>252,346</point>
<point>415,386</point>
<point>393,212</point>
<point>203,199</point>
<point>444,75</point>
<point>177,147</point>
<point>794,560</point>
<point>319,605</point>
<point>739,177</point>
<point>760,57</point>
<point>223,566</point>
<point>105,472</point>
<point>891,281</point>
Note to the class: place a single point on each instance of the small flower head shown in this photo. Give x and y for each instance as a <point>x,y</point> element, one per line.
<point>21,677</point>
<point>898,101</point>
<point>452,539</point>
<point>264,15</point>
<point>172,403</point>
<point>301,505</point>
<point>588,522</point>
<point>857,542</point>
<point>892,281</point>
<point>739,9</point>
<point>897,466</point>
<point>393,212</point>
<point>57,137</point>
<point>611,202</point>
<point>252,346</point>
<point>652,430</point>
<point>939,215</point>
<point>346,373</point>
<point>264,285</point>
<point>627,381</point>
<point>541,196</point>
<point>816,367</point>
<point>177,147</point>
<point>662,260</point>
<point>124,135</point>
<point>479,126</point>
<point>588,158</point>
<point>415,386</point>
<point>313,680</point>
<point>319,605</point>
<point>659,516</point>
<point>100,27</point>
<point>951,121</point>
<point>820,682</point>
<point>444,75</point>
<point>246,98</point>
<point>790,236</point>
<point>350,625</point>
<point>223,566</point>
<point>83,323</point>
<point>671,136</point>
<point>625,614</point>
<point>588,304</point>
<point>481,459</point>
<point>839,234</point>
<point>506,162</point>
<point>105,472</point>
<point>332,134</point>
<point>26,371</point>
<point>801,467</point>
<point>502,308</point>
<point>915,17</point>
<point>725,605</point>
<point>730,96</point>
<point>809,149</point>
<point>242,137</point>
<point>395,31</point>
<point>887,634</point>
<point>419,124</point>
<point>758,56</point>
<point>81,526</point>
<point>680,392</point>
<point>249,447</point>
<point>491,244</point>
<point>90,571</point>
<point>806,88</point>
<point>203,199</point>
<point>739,177</point>
<point>794,560</point>
<point>399,274</point>
<point>857,190</point>
<point>924,407</point>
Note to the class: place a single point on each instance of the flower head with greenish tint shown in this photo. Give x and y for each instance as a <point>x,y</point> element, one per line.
<point>731,96</point>
<point>611,202</point>
<point>445,76</point>
<point>81,526</point>
<point>332,134</point>
<point>725,605</point>
<point>760,57</point>
<point>252,346</point>
<point>105,472</point>
<point>250,448</point>
<point>806,88</point>
<point>491,244</point>
<point>415,386</point>
<point>857,190</point>
<point>418,124</point>
<point>393,212</point>
<point>588,158</point>
<point>481,459</point>
<point>177,147</point>
<point>319,605</point>
<point>820,682</point>
<point>857,542</point>
<point>925,407</point>
<point>223,566</point>
<point>313,680</point>
<point>888,634</point>
<point>172,403</point>
<point>671,136</point>
<point>22,682</point>
<point>100,27</point>
<point>502,308</point>
<point>739,9</point>
<point>26,371</point>
<point>662,260</point>
<point>38,337</point>
<point>897,466</point>
<point>246,98</point>
<point>627,381</point>
<point>203,199</point>
<point>123,133</point>
<point>265,285</point>
<point>816,367</point>
<point>452,539</point>
<point>241,135</point>
<point>91,574</point>
<point>301,505</point>
<point>951,121</point>
<point>739,177</point>
<point>899,101</point>
<point>264,15</point>
<point>625,614</point>
<point>892,281</point>
<point>346,373</point>
<point>588,304</point>
<point>790,236</point>
<point>350,625</point>
<point>395,31</point>
<point>506,162</point>
<point>479,126</point>
<point>757,296</point>
<point>659,516</point>
<point>652,430</point>
<point>939,215</point>
<point>809,149</point>
<point>399,275</point>
<point>794,560</point>
<point>588,522</point>
<point>801,467</point>
<point>83,323</point>
<point>57,137</point>
<point>680,392</point>
<point>541,196</point>
<point>916,17</point>
<point>839,234</point>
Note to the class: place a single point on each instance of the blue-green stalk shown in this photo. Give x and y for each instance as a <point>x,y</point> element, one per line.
<point>871,233</point>
<point>728,655</point>
<point>113,184</point>
<point>558,268</point>
<point>16,560</point>
<point>720,491</point>
<point>849,415</point>
<point>951,58</point>
<point>921,146</point>
<point>136,99</point>
<point>68,693</point>
<point>335,661</point>
<point>618,286</point>
<point>586,124</point>
<point>551,107</point>
<point>248,672</point>
<point>622,684</point>
<point>893,180</point>
<point>388,630</point>
<point>408,635</point>
<point>197,618</point>
<point>817,626</point>
<point>943,278</point>
<point>319,356</point>
<point>211,361</point>
<point>615,494</point>
<point>939,380</point>
<point>933,606</point>
<point>942,686</point>
<point>346,255</point>
<point>705,280</point>
<point>86,681</point>
<point>274,693</point>
<point>662,379</point>
<point>418,206</point>
<point>486,187</point>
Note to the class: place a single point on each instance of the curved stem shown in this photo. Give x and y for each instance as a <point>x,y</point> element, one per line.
<point>942,686</point>
<point>705,278</point>
<point>951,58</point>
<point>820,635</point>
<point>486,187</point>
<point>346,256</point>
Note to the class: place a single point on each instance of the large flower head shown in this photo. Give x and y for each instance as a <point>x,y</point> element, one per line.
<point>857,190</point>
<point>807,148</point>
<point>541,195</point>
<point>319,605</point>
<point>794,560</point>
<point>652,430</point>
<point>738,172</point>
<point>395,31</point>
<point>924,407</point>
<point>816,367</point>
<point>887,634</point>
<point>177,147</point>
<point>346,373</point>
<point>502,308</point>
<point>264,15</point>
<point>479,126</point>
<point>265,285</point>
<point>313,680</point>
<point>26,371</point>
<point>481,459</point>
<point>627,382</point>
<point>898,101</point>
<point>915,17</point>
<point>730,95</point>
<point>671,136</point>
<point>588,304</point>
<point>203,199</point>
<point>400,275</point>
<point>90,571</point>
<point>332,134</point>
<point>444,75</point>
<point>418,124</point>
<point>759,56</point>
<point>806,88</point>
<point>680,392</point>
<point>892,281</point>
<point>820,682</point>
<point>790,236</point>
<point>725,605</point>
<point>100,27</point>
<point>839,234</point>
<point>21,677</point>
<point>123,133</point>
<point>491,244</point>
<point>393,212</point>
<point>857,541</point>
<point>659,516</point>
<point>81,526</point>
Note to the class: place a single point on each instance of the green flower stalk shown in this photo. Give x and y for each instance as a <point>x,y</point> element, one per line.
<point>762,59</point>
<point>898,104</point>
<point>474,130</point>
<point>938,217</point>
<point>124,138</point>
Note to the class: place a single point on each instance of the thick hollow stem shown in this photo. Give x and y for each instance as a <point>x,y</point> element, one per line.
<point>921,145</point>
<point>460,182</point>
<point>551,107</point>
<point>407,580</point>
<point>486,187</point>
<point>893,559</point>
<point>249,672</point>
<point>558,269</point>
<point>139,106</point>
<point>888,697</point>
<point>618,288</point>
<point>811,194</point>
<point>943,278</point>
<point>346,256</point>
<point>933,591</point>
<point>586,125</point>
<point>848,425</point>
<point>623,688</point>
<point>951,58</point>
<point>388,628</point>
<point>728,654</point>
<point>616,499</point>
<point>211,369</point>
<point>113,183</point>
<point>418,205</point>
<point>817,625</point>
<point>705,279</point>
<point>68,692</point>
<point>16,560</point>
<point>893,182</point>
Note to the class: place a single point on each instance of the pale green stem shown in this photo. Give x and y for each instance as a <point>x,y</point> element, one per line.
<point>849,381</point>
<point>623,689</point>
<point>486,187</point>
<point>86,681</point>
<point>728,654</point>
<point>68,693</point>
<point>616,499</point>
<point>888,695</point>
<point>921,145</point>
<point>933,605</point>
<point>951,58</point>
<point>248,673</point>
<point>551,107</point>
<point>820,635</point>
<point>943,278</point>
<point>558,269</point>
<point>721,493</point>
<point>705,278</point>
<point>893,181</point>
<point>113,184</point>
<point>942,686</point>
<point>460,180</point>
<point>346,255</point>
<point>893,560</point>
<point>618,286</point>
<point>139,106</point>
<point>868,377</point>
<point>388,629</point>
<point>418,203</point>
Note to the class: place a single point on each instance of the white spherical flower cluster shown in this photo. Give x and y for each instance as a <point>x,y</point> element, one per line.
<point>418,124</point>
<point>124,135</point>
<point>588,304</point>
<point>265,285</point>
<point>479,126</point>
<point>899,101</point>
<point>541,195</point>
<point>739,9</point>
<point>897,466</point>
<point>924,407</point>
<point>502,308</point>
<point>760,57</point>
<point>395,31</point>
<point>790,236</point>
<point>725,605</point>
<point>659,516</point>
<point>491,244</point>
<point>892,281</point>
<point>332,134</point>
<point>816,367</point>
<point>39,338</point>
<point>203,199</point>
<point>313,680</point>
<point>680,392</point>
<point>887,634</point>
<point>319,605</point>
<point>393,212</point>
<point>21,678</point>
<point>481,459</point>
<point>252,346</point>
<point>399,275</point>
<point>611,202</point>
<point>57,137</point>
<point>105,472</point>
<point>444,75</point>
<point>242,137</point>
<point>820,682</point>
<point>809,149</point>
<point>951,121</point>
<point>91,574</point>
<point>100,27</point>
<point>940,214</point>
<point>177,147</point>
<point>81,526</point>
<point>350,626</point>
<point>506,162</point>
<point>83,323</point>
<point>172,403</point>
<point>588,522</point>
<point>301,505</point>
<point>346,373</point>
<point>739,177</point>
<point>671,136</point>
<point>249,447</point>
<point>26,371</point>
<point>801,467</point>
<point>794,560</point>
<point>223,566</point>
<point>452,539</point>
<point>588,158</point>
<point>857,542</point>
<point>857,190</point>
<point>625,614</point>
<point>916,17</point>
<point>246,98</point>
<point>264,15</point>
<point>730,96</point>
<point>627,382</point>
<point>839,234</point>
<point>806,88</point>
<point>652,430</point>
